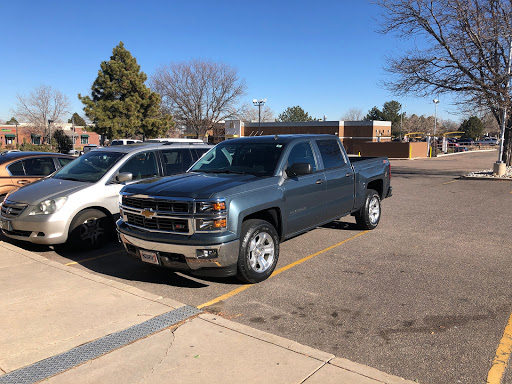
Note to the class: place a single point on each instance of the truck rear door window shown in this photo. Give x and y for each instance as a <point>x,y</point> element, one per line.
<point>331,153</point>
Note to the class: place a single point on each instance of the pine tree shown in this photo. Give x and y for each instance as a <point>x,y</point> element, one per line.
<point>120,105</point>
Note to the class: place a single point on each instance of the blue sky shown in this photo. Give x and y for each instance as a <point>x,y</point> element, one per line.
<point>325,56</point>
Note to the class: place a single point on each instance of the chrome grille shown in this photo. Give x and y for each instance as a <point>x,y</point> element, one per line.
<point>11,209</point>
<point>158,223</point>
<point>157,205</point>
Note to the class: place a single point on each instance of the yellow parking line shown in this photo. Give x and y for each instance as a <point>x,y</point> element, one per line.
<point>449,182</point>
<point>93,258</point>
<point>502,355</point>
<point>280,270</point>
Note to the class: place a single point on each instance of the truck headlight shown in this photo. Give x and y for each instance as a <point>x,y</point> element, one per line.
<point>210,224</point>
<point>210,206</point>
<point>49,206</point>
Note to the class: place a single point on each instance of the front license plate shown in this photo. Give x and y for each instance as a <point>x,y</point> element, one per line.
<point>149,257</point>
<point>5,224</point>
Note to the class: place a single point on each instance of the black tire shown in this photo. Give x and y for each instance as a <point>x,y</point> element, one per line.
<point>91,228</point>
<point>259,251</point>
<point>369,215</point>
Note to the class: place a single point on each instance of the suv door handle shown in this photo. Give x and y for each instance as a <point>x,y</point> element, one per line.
<point>319,181</point>
<point>348,174</point>
<point>23,182</point>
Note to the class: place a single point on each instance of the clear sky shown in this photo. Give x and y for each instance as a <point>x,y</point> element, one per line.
<point>325,56</point>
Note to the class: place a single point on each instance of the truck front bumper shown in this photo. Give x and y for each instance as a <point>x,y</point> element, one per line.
<point>207,260</point>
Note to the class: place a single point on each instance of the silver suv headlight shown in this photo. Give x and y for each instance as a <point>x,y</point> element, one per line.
<point>49,206</point>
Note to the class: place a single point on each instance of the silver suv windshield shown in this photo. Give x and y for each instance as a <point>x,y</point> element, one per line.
<point>231,157</point>
<point>90,167</point>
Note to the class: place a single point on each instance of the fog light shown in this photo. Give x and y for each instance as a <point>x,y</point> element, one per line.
<point>206,253</point>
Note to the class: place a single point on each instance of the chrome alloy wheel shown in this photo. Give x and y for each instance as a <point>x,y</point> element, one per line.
<point>261,252</point>
<point>374,210</point>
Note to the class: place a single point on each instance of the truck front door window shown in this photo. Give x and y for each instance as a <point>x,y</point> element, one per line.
<point>302,153</point>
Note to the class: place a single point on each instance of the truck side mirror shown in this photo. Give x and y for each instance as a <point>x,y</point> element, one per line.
<point>298,169</point>
<point>123,177</point>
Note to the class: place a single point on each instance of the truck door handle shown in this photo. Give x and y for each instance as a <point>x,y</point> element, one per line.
<point>348,174</point>
<point>319,181</point>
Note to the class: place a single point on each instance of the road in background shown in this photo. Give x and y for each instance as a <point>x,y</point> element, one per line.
<point>426,296</point>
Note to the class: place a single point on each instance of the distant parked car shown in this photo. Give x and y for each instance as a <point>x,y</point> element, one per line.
<point>89,147</point>
<point>174,140</point>
<point>466,141</point>
<point>73,152</point>
<point>488,141</point>
<point>124,141</point>
<point>18,168</point>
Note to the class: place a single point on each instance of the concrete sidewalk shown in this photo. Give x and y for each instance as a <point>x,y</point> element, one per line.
<point>62,325</point>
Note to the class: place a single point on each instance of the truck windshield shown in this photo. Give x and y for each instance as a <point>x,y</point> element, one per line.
<point>90,167</point>
<point>231,157</point>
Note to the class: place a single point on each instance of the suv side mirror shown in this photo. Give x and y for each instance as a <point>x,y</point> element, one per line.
<point>298,169</point>
<point>124,176</point>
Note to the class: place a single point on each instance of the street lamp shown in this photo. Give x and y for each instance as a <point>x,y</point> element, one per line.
<point>435,126</point>
<point>259,103</point>
<point>49,132</point>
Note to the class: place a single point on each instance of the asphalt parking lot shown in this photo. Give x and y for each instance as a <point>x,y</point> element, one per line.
<point>425,296</point>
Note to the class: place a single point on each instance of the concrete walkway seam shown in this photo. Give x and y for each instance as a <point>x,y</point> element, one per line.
<point>57,364</point>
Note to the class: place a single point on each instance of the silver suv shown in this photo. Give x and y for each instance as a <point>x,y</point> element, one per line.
<point>79,204</point>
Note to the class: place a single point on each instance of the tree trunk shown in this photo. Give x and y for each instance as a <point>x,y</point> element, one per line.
<point>507,147</point>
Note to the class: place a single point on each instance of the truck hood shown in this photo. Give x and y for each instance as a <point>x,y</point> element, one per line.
<point>44,189</point>
<point>198,185</point>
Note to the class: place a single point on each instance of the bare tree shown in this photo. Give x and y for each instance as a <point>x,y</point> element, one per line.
<point>465,50</point>
<point>198,93</point>
<point>353,114</point>
<point>248,112</point>
<point>42,104</point>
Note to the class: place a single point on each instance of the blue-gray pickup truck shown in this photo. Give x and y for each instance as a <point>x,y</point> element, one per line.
<point>227,215</point>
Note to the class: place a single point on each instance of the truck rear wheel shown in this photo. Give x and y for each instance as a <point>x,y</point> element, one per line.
<point>369,215</point>
<point>259,251</point>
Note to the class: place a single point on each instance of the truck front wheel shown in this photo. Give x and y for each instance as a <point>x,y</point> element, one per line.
<point>369,215</point>
<point>259,251</point>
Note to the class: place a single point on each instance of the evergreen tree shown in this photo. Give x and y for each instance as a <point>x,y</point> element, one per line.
<point>62,141</point>
<point>77,119</point>
<point>13,121</point>
<point>294,114</point>
<point>473,127</point>
<point>374,114</point>
<point>120,105</point>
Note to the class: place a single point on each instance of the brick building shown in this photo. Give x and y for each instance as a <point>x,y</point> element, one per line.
<point>12,135</point>
<point>350,132</point>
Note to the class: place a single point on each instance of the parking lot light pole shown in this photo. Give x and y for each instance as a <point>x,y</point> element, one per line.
<point>436,101</point>
<point>50,132</point>
<point>259,103</point>
<point>401,116</point>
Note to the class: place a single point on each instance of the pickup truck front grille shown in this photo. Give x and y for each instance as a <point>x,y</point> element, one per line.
<point>158,223</point>
<point>157,205</point>
<point>11,209</point>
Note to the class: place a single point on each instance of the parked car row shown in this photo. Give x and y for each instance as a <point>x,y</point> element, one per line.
<point>77,201</point>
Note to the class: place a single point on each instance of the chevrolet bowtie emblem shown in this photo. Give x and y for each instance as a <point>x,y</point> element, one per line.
<point>148,213</point>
